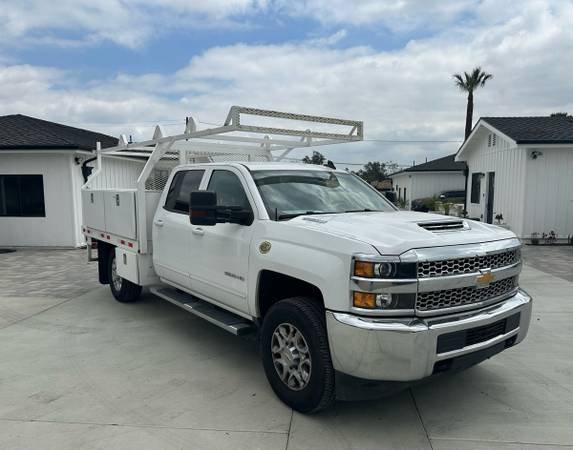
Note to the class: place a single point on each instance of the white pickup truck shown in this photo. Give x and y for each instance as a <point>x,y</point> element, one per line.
<point>348,296</point>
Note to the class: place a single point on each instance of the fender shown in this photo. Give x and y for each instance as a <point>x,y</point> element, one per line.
<point>320,259</point>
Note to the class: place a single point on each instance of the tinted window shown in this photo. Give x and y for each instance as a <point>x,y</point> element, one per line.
<point>183,184</point>
<point>476,186</point>
<point>22,195</point>
<point>229,189</point>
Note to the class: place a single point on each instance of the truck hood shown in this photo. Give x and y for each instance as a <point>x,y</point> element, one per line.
<point>395,232</point>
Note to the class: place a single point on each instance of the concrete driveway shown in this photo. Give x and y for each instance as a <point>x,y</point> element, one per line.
<point>82,371</point>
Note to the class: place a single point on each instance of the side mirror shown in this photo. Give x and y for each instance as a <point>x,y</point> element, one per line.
<point>203,208</point>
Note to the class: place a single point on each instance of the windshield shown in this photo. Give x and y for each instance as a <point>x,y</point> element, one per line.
<point>290,193</point>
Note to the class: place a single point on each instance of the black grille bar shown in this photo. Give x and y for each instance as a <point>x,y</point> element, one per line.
<point>460,339</point>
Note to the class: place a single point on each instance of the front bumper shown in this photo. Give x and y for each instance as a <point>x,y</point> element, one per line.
<point>395,349</point>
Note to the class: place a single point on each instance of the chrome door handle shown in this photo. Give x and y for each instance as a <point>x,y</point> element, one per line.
<point>158,222</point>
<point>198,231</point>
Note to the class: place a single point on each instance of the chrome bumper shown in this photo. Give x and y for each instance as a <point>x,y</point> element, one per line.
<point>394,349</point>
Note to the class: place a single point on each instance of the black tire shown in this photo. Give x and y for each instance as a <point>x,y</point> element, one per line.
<point>128,292</point>
<point>308,318</point>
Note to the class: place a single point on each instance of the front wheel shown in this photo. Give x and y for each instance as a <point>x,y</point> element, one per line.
<point>123,290</point>
<point>296,356</point>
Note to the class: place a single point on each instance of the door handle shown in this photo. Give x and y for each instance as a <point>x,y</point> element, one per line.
<point>198,231</point>
<point>158,222</point>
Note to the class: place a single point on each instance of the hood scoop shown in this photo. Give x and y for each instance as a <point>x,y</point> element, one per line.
<point>446,225</point>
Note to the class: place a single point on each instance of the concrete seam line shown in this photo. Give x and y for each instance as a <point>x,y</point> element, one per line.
<point>37,313</point>
<point>131,425</point>
<point>492,441</point>
<point>289,428</point>
<point>420,418</point>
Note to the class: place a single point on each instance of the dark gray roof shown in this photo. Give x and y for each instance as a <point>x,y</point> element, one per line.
<point>535,130</point>
<point>445,164</point>
<point>19,132</point>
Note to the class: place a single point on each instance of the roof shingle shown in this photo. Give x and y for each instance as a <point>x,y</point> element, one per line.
<point>535,130</point>
<point>445,164</point>
<point>20,132</point>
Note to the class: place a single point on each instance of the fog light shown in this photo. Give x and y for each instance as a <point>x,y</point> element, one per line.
<point>371,301</point>
<point>383,300</point>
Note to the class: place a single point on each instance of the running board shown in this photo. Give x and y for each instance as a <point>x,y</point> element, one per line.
<point>227,320</point>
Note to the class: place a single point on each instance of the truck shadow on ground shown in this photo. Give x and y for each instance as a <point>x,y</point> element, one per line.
<point>202,336</point>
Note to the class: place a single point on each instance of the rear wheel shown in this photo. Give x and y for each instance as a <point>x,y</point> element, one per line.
<point>296,356</point>
<point>123,290</point>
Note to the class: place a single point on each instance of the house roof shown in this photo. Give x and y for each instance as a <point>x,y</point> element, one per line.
<point>19,132</point>
<point>445,164</point>
<point>535,130</point>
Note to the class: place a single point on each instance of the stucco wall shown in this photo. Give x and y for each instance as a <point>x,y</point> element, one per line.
<point>60,226</point>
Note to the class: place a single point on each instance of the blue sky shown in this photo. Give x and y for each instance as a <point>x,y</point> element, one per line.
<point>118,66</point>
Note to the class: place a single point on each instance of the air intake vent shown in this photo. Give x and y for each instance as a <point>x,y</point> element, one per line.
<point>451,225</point>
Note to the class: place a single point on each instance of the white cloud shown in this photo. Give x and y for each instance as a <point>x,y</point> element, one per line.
<point>131,23</point>
<point>400,94</point>
<point>128,23</point>
<point>332,39</point>
<point>395,15</point>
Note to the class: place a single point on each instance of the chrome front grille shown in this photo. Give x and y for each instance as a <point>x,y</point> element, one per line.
<point>458,266</point>
<point>450,298</point>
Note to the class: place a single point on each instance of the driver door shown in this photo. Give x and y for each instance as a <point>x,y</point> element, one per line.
<point>219,254</point>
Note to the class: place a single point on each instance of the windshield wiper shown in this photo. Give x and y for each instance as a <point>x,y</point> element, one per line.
<point>362,210</point>
<point>305,213</point>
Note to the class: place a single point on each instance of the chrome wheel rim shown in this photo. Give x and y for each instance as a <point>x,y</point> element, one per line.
<point>115,278</point>
<point>291,356</point>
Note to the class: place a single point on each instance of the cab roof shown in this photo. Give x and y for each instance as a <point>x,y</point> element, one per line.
<point>269,165</point>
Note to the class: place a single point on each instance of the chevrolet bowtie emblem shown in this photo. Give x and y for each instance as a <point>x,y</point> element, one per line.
<point>484,279</point>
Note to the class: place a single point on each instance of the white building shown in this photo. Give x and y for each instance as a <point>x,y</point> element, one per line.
<point>40,179</point>
<point>521,168</point>
<point>429,179</point>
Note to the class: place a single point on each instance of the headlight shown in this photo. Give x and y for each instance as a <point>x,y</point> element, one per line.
<point>384,301</point>
<point>384,283</point>
<point>384,269</point>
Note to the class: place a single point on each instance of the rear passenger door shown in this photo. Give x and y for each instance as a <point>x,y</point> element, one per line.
<point>172,229</point>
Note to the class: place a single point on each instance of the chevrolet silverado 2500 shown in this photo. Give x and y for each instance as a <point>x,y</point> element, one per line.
<point>346,294</point>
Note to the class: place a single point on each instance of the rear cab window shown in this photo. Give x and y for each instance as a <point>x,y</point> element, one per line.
<point>183,183</point>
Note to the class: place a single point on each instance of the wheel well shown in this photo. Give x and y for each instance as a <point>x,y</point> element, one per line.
<point>274,286</point>
<point>103,251</point>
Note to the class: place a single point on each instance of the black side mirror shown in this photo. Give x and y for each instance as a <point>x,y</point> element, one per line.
<point>236,214</point>
<point>203,208</point>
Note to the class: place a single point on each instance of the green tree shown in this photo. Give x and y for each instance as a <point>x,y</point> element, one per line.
<point>560,114</point>
<point>469,82</point>
<point>316,158</point>
<point>376,171</point>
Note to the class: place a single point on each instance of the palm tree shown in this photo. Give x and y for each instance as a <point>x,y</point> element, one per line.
<point>469,82</point>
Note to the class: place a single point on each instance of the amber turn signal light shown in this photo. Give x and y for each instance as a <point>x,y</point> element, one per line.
<point>364,269</point>
<point>364,300</point>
